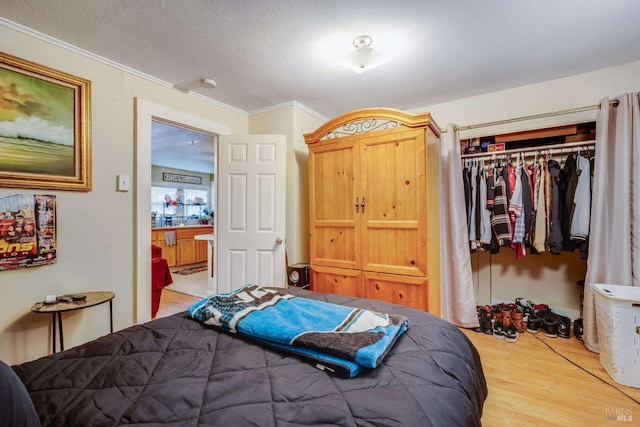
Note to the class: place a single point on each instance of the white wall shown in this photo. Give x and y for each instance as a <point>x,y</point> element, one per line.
<point>547,278</point>
<point>95,230</point>
<point>554,95</point>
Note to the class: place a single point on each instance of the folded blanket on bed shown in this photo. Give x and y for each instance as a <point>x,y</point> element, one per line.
<point>340,338</point>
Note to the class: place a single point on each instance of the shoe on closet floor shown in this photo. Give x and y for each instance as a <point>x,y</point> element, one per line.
<point>497,312</point>
<point>517,317</point>
<point>554,325</point>
<point>484,319</point>
<point>505,312</point>
<point>578,328</point>
<point>534,323</point>
<point>498,331</point>
<point>564,326</point>
<point>526,306</point>
<point>510,334</point>
<point>550,326</point>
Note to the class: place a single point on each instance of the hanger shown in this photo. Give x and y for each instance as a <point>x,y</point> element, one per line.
<point>588,153</point>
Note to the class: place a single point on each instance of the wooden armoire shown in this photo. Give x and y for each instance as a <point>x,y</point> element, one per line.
<point>374,207</point>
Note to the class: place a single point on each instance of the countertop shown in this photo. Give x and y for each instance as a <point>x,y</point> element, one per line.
<point>204,237</point>
<point>182,227</point>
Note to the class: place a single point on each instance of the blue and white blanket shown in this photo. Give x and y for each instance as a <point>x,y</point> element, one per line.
<point>339,338</point>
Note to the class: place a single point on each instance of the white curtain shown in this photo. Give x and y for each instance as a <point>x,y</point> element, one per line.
<point>458,304</point>
<point>614,237</point>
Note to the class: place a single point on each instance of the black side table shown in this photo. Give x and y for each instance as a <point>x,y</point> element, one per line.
<point>56,309</point>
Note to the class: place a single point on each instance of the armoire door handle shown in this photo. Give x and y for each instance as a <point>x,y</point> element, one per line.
<point>362,205</point>
<point>357,205</point>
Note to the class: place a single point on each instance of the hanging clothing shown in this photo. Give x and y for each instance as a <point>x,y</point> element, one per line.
<point>473,238</point>
<point>570,180</point>
<point>510,179</point>
<point>554,242</point>
<point>478,202</point>
<point>548,199</point>
<point>466,181</point>
<point>494,246</point>
<point>485,215</point>
<point>540,236</point>
<point>527,201</point>
<point>539,213</point>
<point>500,222</point>
<point>582,201</point>
<point>517,216</point>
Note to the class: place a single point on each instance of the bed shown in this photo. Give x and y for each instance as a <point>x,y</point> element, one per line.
<point>175,371</point>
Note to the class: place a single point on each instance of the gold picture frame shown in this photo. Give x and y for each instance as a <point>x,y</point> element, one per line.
<point>45,127</point>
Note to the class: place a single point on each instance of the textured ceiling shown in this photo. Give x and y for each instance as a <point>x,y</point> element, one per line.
<point>267,52</point>
<point>180,148</point>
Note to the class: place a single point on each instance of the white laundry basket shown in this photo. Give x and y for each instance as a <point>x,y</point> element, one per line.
<point>618,321</point>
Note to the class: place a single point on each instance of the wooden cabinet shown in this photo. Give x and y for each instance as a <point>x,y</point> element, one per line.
<point>374,207</point>
<point>187,250</point>
<point>201,250</point>
<point>168,252</point>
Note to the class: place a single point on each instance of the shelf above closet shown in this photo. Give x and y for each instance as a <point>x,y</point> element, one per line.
<point>566,148</point>
<point>569,138</point>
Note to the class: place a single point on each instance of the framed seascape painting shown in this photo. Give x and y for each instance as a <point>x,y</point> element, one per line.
<point>45,127</point>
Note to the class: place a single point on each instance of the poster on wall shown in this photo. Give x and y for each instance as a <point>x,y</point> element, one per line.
<point>27,230</point>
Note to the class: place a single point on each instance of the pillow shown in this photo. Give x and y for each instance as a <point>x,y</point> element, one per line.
<point>16,408</point>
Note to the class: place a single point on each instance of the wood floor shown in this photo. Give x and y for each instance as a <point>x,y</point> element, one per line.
<point>174,302</point>
<point>533,382</point>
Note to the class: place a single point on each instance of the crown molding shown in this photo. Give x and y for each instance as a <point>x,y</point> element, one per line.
<point>59,43</point>
<point>289,104</point>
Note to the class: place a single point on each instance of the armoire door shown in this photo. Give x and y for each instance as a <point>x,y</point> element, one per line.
<point>343,281</point>
<point>334,222</point>
<point>393,202</point>
<point>404,290</point>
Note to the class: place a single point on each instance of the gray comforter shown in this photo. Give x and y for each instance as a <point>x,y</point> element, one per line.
<point>175,371</point>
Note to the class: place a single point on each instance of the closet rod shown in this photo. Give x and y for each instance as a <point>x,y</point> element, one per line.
<point>553,149</point>
<point>613,103</point>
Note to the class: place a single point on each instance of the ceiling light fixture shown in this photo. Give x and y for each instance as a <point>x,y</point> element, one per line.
<point>364,58</point>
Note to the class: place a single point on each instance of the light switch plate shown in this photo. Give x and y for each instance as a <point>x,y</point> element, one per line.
<point>123,183</point>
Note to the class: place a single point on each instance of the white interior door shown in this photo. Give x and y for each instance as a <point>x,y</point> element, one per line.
<point>250,226</point>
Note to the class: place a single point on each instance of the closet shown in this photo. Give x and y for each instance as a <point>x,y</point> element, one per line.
<point>374,207</point>
<point>550,271</point>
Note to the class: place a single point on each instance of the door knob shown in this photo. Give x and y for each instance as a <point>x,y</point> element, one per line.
<point>278,241</point>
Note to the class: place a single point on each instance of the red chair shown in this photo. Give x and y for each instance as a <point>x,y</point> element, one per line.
<point>160,277</point>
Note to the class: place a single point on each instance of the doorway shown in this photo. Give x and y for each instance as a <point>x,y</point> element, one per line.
<point>183,189</point>
<point>146,114</point>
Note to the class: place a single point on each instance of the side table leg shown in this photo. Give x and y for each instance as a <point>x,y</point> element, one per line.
<point>60,326</point>
<point>111,315</point>
<point>53,333</point>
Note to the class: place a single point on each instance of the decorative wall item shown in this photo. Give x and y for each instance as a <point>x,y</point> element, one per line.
<point>27,230</point>
<point>188,179</point>
<point>45,127</point>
